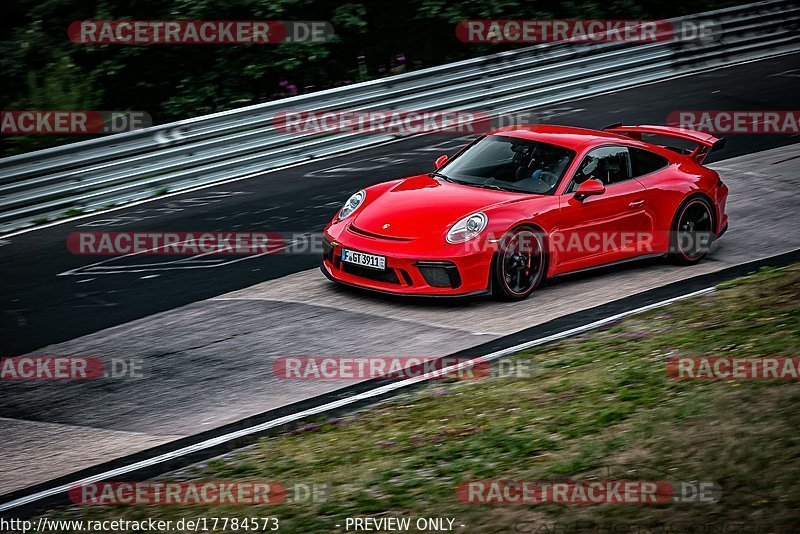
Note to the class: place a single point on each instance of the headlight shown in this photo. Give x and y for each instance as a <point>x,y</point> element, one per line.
<point>352,204</point>
<point>467,228</point>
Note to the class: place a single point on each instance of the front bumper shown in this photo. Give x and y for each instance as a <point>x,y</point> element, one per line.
<point>412,266</point>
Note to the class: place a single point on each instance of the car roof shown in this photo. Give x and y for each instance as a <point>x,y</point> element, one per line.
<point>565,136</point>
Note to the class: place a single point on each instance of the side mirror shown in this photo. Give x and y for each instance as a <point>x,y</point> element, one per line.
<point>441,160</point>
<point>589,188</point>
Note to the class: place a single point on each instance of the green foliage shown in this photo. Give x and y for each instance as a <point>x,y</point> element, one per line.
<point>61,86</point>
<point>40,67</point>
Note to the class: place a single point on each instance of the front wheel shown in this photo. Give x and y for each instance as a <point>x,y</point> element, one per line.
<point>519,264</point>
<point>692,232</point>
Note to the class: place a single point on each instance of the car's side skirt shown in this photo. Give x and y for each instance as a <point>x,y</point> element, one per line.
<point>642,257</point>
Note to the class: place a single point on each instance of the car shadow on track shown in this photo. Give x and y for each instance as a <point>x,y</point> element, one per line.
<point>444,302</point>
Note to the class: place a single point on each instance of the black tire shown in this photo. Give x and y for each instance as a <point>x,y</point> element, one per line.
<point>692,232</point>
<point>520,264</point>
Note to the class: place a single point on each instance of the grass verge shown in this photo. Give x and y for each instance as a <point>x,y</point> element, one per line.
<point>598,406</point>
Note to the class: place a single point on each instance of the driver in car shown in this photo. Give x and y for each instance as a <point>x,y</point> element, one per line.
<point>541,171</point>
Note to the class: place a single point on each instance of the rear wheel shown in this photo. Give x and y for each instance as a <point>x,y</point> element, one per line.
<point>692,232</point>
<point>519,265</point>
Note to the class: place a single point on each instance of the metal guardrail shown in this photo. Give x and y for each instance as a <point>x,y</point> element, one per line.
<point>120,168</point>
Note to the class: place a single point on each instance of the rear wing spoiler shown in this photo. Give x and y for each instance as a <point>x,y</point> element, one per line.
<point>706,143</point>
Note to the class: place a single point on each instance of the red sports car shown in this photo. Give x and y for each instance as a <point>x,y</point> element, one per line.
<point>522,204</point>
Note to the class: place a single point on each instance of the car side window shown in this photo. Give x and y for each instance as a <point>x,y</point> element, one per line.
<point>645,162</point>
<point>609,164</point>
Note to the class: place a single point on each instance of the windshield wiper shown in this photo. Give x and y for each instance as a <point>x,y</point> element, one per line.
<point>477,184</point>
<point>446,178</point>
<point>501,188</point>
<point>488,186</point>
<point>515,190</point>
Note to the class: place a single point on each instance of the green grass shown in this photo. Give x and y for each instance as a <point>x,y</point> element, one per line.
<point>599,405</point>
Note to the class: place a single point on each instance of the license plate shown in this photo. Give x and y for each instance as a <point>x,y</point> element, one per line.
<point>370,261</point>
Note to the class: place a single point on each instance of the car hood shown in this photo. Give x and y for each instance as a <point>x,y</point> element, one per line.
<point>421,205</point>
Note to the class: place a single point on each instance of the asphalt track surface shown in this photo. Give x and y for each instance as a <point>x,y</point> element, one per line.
<point>40,308</point>
<point>209,363</point>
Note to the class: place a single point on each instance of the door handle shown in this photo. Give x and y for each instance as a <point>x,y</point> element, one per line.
<point>636,204</point>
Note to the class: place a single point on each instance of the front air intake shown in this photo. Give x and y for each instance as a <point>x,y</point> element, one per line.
<point>439,273</point>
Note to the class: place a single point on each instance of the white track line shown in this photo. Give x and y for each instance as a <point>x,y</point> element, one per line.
<point>342,402</point>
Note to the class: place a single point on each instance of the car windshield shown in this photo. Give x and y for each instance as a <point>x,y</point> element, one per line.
<point>510,163</point>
